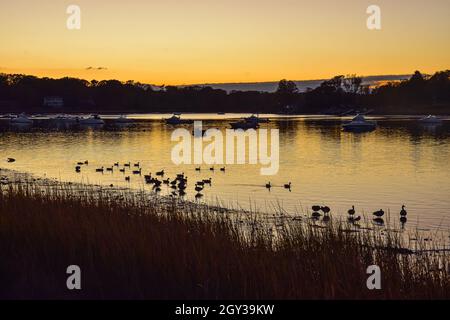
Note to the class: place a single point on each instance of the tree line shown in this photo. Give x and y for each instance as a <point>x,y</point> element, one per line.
<point>419,94</point>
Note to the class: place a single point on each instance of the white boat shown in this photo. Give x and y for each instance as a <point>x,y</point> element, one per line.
<point>21,119</point>
<point>176,119</point>
<point>359,123</point>
<point>431,119</point>
<point>123,120</point>
<point>92,120</point>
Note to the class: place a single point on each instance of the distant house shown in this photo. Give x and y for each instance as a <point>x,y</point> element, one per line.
<point>53,102</point>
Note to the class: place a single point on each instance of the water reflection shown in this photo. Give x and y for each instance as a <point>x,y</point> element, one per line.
<point>401,162</point>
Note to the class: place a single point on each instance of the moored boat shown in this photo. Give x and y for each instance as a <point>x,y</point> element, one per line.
<point>359,123</point>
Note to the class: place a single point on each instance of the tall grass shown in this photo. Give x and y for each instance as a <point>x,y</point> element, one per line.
<point>133,246</point>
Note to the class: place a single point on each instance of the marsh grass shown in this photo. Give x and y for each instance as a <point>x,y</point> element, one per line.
<point>134,246</point>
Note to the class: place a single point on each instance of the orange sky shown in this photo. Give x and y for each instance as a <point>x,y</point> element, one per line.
<point>199,41</point>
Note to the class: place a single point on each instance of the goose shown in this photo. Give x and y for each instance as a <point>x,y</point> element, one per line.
<point>86,162</point>
<point>197,169</point>
<point>315,214</point>
<point>182,187</point>
<point>180,175</point>
<point>181,193</point>
<point>77,168</point>
<point>212,168</point>
<point>354,219</point>
<point>325,209</point>
<point>222,169</point>
<point>326,218</point>
<point>351,211</point>
<point>99,169</point>
<point>207,181</point>
<point>403,212</point>
<point>173,183</point>
<point>116,164</point>
<point>157,183</point>
<point>403,220</point>
<point>198,189</point>
<point>127,178</point>
<point>287,186</point>
<point>268,185</point>
<point>198,195</point>
<point>157,189</point>
<point>109,169</point>
<point>137,164</point>
<point>137,171</point>
<point>80,163</point>
<point>167,181</point>
<point>200,183</point>
<point>160,173</point>
<point>122,170</point>
<point>315,208</point>
<point>127,164</point>
<point>379,213</point>
<point>379,221</point>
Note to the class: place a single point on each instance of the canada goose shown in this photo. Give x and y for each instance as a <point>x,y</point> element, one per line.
<point>127,164</point>
<point>182,187</point>
<point>80,163</point>
<point>109,169</point>
<point>351,211</point>
<point>212,168</point>
<point>379,221</point>
<point>116,164</point>
<point>122,170</point>
<point>200,183</point>
<point>160,173</point>
<point>173,183</point>
<point>198,195</point>
<point>315,214</point>
<point>315,208</point>
<point>403,212</point>
<point>268,185</point>
<point>287,186</point>
<point>326,218</point>
<point>198,189</point>
<point>77,168</point>
<point>99,169</point>
<point>207,181</point>
<point>197,169</point>
<point>137,164</point>
<point>127,178</point>
<point>403,220</point>
<point>157,183</point>
<point>157,189</point>
<point>181,193</point>
<point>137,171</point>
<point>353,219</point>
<point>379,213</point>
<point>167,181</point>
<point>180,175</point>
<point>86,162</point>
<point>222,169</point>
<point>325,209</point>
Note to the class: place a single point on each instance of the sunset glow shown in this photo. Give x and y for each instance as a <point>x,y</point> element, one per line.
<point>184,42</point>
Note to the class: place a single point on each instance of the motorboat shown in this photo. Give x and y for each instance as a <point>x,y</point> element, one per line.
<point>92,120</point>
<point>21,119</point>
<point>430,119</point>
<point>176,119</point>
<point>359,123</point>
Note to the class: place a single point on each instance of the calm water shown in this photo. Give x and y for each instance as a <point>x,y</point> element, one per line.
<point>402,162</point>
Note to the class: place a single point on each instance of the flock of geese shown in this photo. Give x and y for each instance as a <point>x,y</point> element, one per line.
<point>352,218</point>
<point>179,186</point>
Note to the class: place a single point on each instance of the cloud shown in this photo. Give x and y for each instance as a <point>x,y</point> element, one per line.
<point>96,68</point>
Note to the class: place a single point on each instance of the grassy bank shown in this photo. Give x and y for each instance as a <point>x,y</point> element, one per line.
<point>131,246</point>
